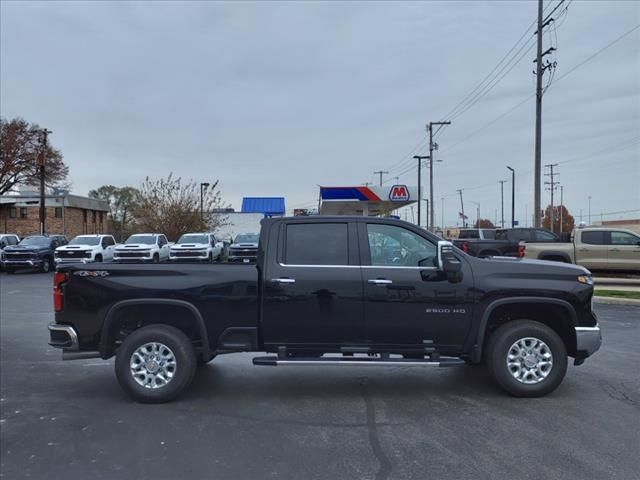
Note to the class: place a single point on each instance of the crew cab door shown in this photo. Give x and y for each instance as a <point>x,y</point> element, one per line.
<point>591,249</point>
<point>312,290</point>
<point>108,244</point>
<point>408,303</point>
<point>624,251</point>
<point>163,245</point>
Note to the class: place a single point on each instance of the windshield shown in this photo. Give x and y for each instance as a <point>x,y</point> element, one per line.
<point>36,242</point>
<point>193,238</point>
<point>145,239</point>
<point>85,241</point>
<point>247,238</point>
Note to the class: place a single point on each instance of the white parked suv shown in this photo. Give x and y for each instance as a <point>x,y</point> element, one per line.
<point>143,247</point>
<point>7,240</point>
<point>196,247</point>
<point>86,249</point>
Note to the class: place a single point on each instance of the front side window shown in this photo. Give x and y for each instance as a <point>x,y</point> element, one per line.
<point>390,245</point>
<point>594,238</point>
<point>317,244</point>
<point>624,238</point>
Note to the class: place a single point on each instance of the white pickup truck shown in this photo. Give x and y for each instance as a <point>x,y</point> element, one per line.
<point>595,248</point>
<point>86,249</point>
<point>143,248</point>
<point>196,247</point>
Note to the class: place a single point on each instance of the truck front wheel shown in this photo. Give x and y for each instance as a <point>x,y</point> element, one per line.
<point>155,363</point>
<point>526,358</point>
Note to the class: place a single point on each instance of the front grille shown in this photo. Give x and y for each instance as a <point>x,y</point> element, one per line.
<point>131,254</point>
<point>243,252</point>
<point>19,256</point>
<point>187,253</point>
<point>73,254</point>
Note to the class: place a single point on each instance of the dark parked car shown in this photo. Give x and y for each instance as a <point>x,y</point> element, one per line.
<point>36,251</point>
<point>506,242</point>
<point>244,248</point>
<point>345,291</point>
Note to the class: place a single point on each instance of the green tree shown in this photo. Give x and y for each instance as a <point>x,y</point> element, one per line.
<point>20,146</point>
<point>122,202</point>
<point>171,206</point>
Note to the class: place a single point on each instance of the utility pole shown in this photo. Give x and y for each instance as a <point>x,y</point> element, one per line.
<point>540,69</point>
<point>420,158</point>
<point>552,186</point>
<point>477,204</point>
<point>502,182</point>
<point>380,172</point>
<point>431,148</point>
<point>513,197</point>
<point>462,207</point>
<point>442,213</point>
<point>561,206</point>
<point>42,160</point>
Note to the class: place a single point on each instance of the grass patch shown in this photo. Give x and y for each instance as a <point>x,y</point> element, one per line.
<point>617,293</point>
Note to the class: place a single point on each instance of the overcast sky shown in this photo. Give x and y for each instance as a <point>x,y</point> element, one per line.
<point>276,98</point>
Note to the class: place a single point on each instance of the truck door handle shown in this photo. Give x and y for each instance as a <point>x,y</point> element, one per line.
<point>283,280</point>
<point>614,250</point>
<point>380,281</point>
<point>584,250</point>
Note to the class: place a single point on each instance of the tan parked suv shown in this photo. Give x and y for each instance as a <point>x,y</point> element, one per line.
<point>593,248</point>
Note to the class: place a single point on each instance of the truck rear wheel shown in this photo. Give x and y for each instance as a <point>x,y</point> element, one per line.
<point>526,358</point>
<point>155,363</point>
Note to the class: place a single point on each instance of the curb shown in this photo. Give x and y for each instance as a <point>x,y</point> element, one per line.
<point>617,301</point>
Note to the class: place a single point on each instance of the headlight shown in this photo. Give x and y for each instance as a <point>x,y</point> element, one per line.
<point>586,279</point>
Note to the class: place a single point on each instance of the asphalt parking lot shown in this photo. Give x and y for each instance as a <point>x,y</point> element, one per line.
<point>70,419</point>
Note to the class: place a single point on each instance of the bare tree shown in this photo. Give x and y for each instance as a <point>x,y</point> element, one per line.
<point>20,144</point>
<point>122,202</point>
<point>172,206</point>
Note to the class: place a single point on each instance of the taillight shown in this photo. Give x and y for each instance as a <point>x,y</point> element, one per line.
<point>465,247</point>
<point>521,248</point>
<point>58,279</point>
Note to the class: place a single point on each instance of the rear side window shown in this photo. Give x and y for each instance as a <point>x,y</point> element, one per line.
<point>469,234</point>
<point>317,244</point>
<point>594,238</point>
<point>519,235</point>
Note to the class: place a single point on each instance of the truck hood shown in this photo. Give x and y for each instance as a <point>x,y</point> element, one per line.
<point>25,249</point>
<point>525,266</point>
<point>189,246</point>
<point>75,248</point>
<point>134,247</point>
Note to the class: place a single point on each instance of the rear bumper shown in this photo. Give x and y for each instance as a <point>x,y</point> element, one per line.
<point>63,336</point>
<point>588,341</point>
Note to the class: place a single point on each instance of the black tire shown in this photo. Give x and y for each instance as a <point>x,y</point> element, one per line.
<point>46,266</point>
<point>98,258</point>
<point>156,258</point>
<point>185,360</point>
<point>501,342</point>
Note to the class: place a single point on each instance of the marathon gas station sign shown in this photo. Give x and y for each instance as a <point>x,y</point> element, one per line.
<point>365,200</point>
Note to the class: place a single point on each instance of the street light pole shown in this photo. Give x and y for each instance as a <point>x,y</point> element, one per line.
<point>589,210</point>
<point>420,158</point>
<point>202,187</point>
<point>501,182</point>
<point>513,197</point>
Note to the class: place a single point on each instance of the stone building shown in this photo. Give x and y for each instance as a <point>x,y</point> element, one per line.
<point>67,214</point>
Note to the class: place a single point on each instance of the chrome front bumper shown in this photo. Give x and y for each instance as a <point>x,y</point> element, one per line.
<point>60,261</point>
<point>22,263</point>
<point>588,340</point>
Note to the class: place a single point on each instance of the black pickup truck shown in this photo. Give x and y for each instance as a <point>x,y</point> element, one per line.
<point>505,242</point>
<point>330,291</point>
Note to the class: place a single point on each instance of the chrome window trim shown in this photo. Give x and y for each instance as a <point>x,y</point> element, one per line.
<point>395,267</point>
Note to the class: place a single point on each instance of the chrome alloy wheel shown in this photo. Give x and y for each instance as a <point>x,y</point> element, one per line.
<point>529,360</point>
<point>153,365</point>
